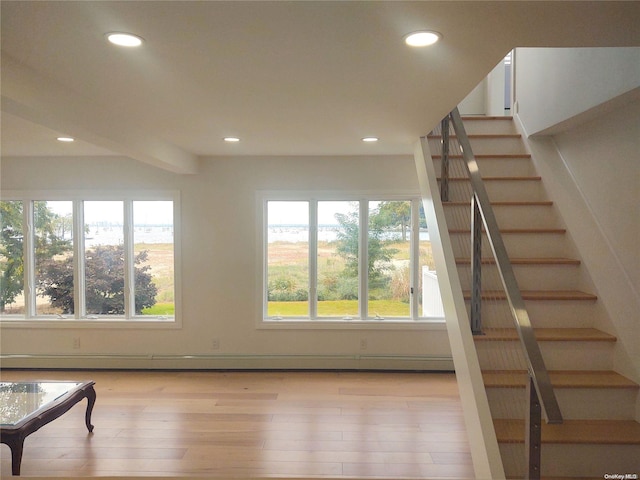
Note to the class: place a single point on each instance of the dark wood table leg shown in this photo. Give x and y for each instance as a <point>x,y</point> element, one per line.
<point>16,446</point>
<point>91,400</point>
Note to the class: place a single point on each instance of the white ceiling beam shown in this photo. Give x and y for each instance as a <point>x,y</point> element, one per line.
<point>29,95</point>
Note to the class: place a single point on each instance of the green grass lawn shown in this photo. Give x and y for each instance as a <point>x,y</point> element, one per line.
<point>289,261</point>
<point>161,309</point>
<point>339,308</point>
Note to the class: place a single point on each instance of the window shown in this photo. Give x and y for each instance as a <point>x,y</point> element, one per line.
<point>338,259</point>
<point>87,259</point>
<point>347,259</point>
<point>288,259</point>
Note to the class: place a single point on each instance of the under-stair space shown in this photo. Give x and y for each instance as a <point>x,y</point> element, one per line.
<point>599,434</point>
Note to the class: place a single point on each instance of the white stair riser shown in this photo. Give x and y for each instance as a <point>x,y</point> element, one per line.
<point>557,355</point>
<point>529,277</point>
<point>578,355</point>
<point>592,461</point>
<point>498,146</point>
<point>459,216</point>
<point>543,314</point>
<point>475,127</point>
<point>500,191</point>
<point>518,245</point>
<point>487,146</point>
<point>512,167</point>
<point>565,314</point>
<point>575,403</point>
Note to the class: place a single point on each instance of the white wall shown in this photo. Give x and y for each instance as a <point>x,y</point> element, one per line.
<point>488,97</point>
<point>475,102</point>
<point>496,90</point>
<point>590,163</point>
<point>604,158</point>
<point>554,85</point>
<point>220,270</point>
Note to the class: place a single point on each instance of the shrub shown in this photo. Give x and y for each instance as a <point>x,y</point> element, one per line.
<point>347,288</point>
<point>401,284</point>
<point>285,290</point>
<point>104,282</point>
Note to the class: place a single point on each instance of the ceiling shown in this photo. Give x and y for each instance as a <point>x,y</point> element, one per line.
<point>287,78</point>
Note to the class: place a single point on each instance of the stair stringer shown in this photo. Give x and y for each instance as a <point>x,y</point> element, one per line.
<point>485,451</point>
<point>619,299</point>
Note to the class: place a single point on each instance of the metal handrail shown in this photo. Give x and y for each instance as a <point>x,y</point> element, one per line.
<point>541,395</point>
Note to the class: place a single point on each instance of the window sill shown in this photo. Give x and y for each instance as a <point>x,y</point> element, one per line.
<point>100,322</point>
<point>354,324</point>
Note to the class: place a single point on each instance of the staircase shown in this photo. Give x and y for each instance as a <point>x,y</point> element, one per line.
<point>599,434</point>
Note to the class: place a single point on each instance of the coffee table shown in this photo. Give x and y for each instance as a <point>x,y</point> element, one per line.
<point>27,406</point>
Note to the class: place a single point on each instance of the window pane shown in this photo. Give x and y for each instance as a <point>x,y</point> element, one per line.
<point>389,277</point>
<point>104,257</point>
<point>338,236</point>
<point>429,301</point>
<point>153,257</point>
<point>11,258</point>
<point>53,239</point>
<point>287,259</point>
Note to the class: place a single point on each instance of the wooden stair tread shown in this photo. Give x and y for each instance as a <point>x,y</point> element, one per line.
<point>547,335</point>
<point>486,117</point>
<point>541,203</point>
<point>506,178</point>
<point>514,230</point>
<point>538,295</point>
<point>611,432</point>
<point>560,379</point>
<point>525,261</point>
<point>482,156</point>
<point>481,135</point>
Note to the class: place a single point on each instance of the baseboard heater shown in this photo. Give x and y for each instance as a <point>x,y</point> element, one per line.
<point>231,362</point>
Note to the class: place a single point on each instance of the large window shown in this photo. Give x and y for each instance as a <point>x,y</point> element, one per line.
<point>347,259</point>
<point>87,259</point>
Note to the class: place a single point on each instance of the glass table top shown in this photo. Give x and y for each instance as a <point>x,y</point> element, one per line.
<point>20,399</point>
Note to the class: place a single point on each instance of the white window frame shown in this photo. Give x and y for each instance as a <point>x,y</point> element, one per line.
<point>313,321</point>
<point>79,319</point>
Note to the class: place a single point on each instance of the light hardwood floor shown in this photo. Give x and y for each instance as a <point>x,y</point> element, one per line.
<point>254,424</point>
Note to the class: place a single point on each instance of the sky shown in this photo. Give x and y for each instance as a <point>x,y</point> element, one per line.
<point>297,213</point>
<point>144,212</point>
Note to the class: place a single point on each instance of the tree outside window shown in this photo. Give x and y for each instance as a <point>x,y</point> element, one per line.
<point>335,274</point>
<point>104,265</point>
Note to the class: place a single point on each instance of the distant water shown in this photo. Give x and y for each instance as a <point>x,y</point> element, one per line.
<point>286,233</point>
<point>113,235</point>
<point>289,233</point>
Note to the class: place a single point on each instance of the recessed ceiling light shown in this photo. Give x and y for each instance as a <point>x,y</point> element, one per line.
<point>124,39</point>
<point>370,139</point>
<point>66,139</point>
<point>231,139</point>
<point>422,38</point>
